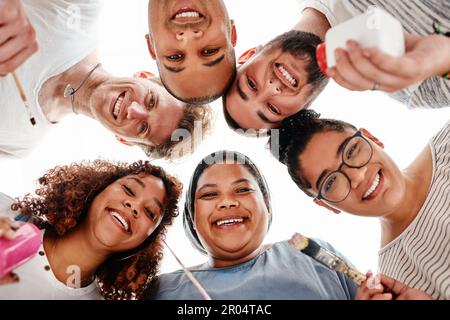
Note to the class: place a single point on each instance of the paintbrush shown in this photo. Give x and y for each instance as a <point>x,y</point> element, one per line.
<point>189,274</point>
<point>24,98</point>
<point>326,257</point>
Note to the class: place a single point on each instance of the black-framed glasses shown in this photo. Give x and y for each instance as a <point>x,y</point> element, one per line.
<point>356,153</point>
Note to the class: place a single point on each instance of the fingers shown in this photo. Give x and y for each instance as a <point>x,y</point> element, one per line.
<point>17,37</point>
<point>13,46</point>
<point>12,64</point>
<point>346,74</point>
<point>371,71</point>
<point>401,67</point>
<point>393,285</point>
<point>381,296</point>
<point>7,228</point>
<point>9,279</point>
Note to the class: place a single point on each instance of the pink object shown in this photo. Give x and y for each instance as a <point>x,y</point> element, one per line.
<point>19,250</point>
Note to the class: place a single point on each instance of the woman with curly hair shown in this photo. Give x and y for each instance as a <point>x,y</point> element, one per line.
<point>102,226</point>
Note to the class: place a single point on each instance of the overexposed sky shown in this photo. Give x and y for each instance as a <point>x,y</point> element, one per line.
<point>123,51</point>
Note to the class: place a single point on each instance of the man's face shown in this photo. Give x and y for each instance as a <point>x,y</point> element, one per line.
<point>193,45</point>
<point>277,82</point>
<point>137,110</point>
<point>376,189</point>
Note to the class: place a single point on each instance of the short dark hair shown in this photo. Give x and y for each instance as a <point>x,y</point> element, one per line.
<point>302,45</point>
<point>294,135</point>
<point>222,156</point>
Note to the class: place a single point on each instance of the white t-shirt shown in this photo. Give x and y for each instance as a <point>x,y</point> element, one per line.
<point>66,31</point>
<point>37,281</point>
<point>416,17</point>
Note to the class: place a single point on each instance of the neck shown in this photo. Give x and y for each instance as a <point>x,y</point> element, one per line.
<point>417,179</point>
<point>51,97</point>
<point>74,250</point>
<point>314,22</point>
<point>223,263</point>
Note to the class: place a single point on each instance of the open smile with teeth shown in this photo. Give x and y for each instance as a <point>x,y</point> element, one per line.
<point>187,14</point>
<point>117,105</point>
<point>373,186</point>
<point>123,222</point>
<point>229,221</point>
<point>289,77</point>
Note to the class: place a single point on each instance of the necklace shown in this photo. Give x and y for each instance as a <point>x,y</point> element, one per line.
<point>70,91</point>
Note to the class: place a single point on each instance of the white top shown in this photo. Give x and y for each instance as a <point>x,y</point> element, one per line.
<point>420,255</point>
<point>36,282</point>
<point>416,17</point>
<point>66,33</point>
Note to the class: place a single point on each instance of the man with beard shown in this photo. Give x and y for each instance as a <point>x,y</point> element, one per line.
<point>193,43</point>
<point>283,77</point>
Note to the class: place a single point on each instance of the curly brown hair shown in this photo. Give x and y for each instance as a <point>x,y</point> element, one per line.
<point>62,202</point>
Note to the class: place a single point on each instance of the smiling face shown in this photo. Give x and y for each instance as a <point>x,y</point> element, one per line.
<point>123,215</point>
<point>192,41</point>
<point>377,189</point>
<point>231,218</point>
<point>276,82</point>
<point>138,110</point>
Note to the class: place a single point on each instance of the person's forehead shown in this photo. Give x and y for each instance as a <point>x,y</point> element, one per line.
<point>321,152</point>
<point>224,173</point>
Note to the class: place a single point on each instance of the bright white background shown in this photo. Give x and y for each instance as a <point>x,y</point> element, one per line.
<point>123,50</point>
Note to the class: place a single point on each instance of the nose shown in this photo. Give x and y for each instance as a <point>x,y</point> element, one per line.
<point>129,205</point>
<point>137,111</point>
<point>189,34</point>
<point>274,86</point>
<point>228,202</point>
<point>356,175</point>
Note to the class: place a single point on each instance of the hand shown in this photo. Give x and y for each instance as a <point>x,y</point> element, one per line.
<point>9,278</point>
<point>8,228</point>
<point>17,36</point>
<point>372,289</point>
<point>401,291</point>
<point>359,69</point>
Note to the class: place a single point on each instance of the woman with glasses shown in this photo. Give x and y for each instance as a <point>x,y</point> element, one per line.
<point>226,217</point>
<point>346,169</point>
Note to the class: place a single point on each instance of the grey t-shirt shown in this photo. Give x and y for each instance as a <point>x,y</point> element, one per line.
<point>279,273</point>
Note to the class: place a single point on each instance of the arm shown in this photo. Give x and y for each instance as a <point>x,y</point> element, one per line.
<point>359,69</point>
<point>17,36</point>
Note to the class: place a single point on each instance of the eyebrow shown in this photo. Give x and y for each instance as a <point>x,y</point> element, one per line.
<point>264,118</point>
<point>159,204</point>
<point>174,69</point>
<point>338,153</point>
<point>342,145</point>
<point>208,64</point>
<point>240,92</point>
<point>214,62</point>
<point>241,180</point>
<point>208,185</point>
<point>139,181</point>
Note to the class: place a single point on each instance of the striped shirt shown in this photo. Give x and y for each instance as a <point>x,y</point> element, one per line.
<point>420,256</point>
<point>416,17</point>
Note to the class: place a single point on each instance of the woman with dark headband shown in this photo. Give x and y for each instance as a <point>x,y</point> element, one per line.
<point>226,217</point>
<point>102,226</point>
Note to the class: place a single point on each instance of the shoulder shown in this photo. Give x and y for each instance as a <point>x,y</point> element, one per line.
<point>334,10</point>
